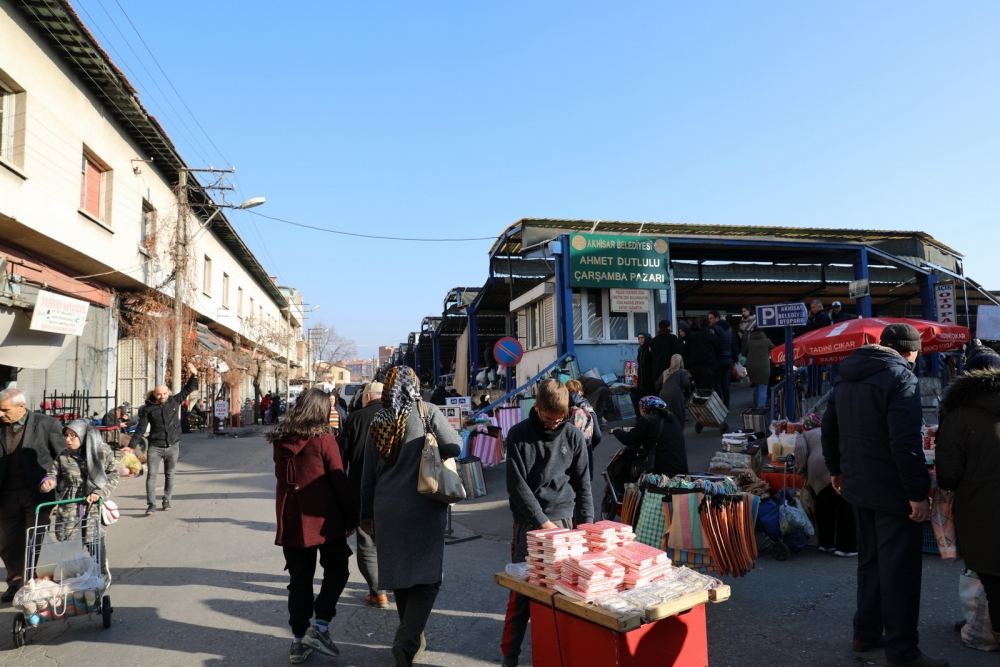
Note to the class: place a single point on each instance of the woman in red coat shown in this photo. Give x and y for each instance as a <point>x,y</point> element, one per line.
<point>316,514</point>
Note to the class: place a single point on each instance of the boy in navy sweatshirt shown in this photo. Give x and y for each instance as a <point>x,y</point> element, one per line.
<point>548,481</point>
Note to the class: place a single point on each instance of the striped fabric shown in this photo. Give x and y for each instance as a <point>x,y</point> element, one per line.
<point>526,405</point>
<point>471,470</point>
<point>487,448</point>
<point>507,417</point>
<point>334,419</point>
<point>699,560</point>
<point>652,521</point>
<point>686,531</point>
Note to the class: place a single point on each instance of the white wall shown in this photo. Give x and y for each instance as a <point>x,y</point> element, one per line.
<point>61,117</point>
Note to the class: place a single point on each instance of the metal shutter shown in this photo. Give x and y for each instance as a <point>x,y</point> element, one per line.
<point>548,316</point>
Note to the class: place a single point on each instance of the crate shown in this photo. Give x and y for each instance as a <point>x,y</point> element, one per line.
<point>929,543</point>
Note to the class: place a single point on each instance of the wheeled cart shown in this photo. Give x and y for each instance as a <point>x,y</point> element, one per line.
<point>709,412</point>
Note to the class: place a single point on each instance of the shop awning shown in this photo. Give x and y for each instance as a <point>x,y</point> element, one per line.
<point>209,340</point>
<point>22,347</point>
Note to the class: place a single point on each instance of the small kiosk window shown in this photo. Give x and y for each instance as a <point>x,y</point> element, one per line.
<point>617,326</point>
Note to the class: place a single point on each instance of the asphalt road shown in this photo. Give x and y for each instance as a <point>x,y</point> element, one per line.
<point>203,585</point>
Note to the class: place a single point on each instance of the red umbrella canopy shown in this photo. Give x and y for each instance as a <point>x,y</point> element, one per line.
<point>833,344</point>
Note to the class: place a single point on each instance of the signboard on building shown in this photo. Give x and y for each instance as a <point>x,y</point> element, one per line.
<point>782,315</point>
<point>629,300</point>
<point>60,314</point>
<point>453,414</point>
<point>605,260</point>
<point>222,409</point>
<point>464,402</point>
<point>858,289</point>
<point>944,297</point>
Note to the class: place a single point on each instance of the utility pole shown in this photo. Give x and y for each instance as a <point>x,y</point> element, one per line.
<point>180,267</point>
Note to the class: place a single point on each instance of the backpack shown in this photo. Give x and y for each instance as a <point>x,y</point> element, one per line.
<point>583,420</point>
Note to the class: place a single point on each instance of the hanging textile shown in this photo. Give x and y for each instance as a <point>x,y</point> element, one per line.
<point>686,531</point>
<point>526,405</point>
<point>728,520</point>
<point>652,519</point>
<point>507,416</point>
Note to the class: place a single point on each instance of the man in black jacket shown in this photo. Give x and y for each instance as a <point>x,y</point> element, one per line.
<point>703,351</point>
<point>874,450</point>
<point>837,314</point>
<point>730,352</point>
<point>162,414</point>
<point>548,481</point>
<point>29,441</point>
<point>818,317</point>
<point>664,346</point>
<point>353,437</point>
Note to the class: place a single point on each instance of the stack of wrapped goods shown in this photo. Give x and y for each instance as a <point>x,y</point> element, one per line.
<point>590,577</point>
<point>643,564</point>
<point>547,549</point>
<point>605,536</point>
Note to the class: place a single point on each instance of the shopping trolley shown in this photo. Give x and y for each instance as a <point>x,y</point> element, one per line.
<point>74,584</point>
<point>708,411</point>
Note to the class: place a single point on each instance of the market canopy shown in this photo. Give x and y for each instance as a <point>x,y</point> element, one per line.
<point>833,344</point>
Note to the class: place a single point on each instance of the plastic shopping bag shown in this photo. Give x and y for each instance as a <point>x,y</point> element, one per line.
<point>976,633</point>
<point>78,565</point>
<point>53,552</point>
<point>792,518</point>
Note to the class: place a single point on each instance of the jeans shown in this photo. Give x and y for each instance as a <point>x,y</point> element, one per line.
<point>760,395</point>
<point>414,606</point>
<point>368,561</point>
<point>519,606</point>
<point>835,521</point>
<point>153,456</point>
<point>17,513</point>
<point>889,574</point>
<point>334,558</point>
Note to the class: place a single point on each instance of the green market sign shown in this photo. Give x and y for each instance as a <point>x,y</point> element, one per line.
<point>603,260</point>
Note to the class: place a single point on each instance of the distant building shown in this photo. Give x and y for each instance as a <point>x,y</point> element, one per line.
<point>360,368</point>
<point>385,353</point>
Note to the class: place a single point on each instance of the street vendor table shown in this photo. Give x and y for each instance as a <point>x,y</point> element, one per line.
<point>568,633</point>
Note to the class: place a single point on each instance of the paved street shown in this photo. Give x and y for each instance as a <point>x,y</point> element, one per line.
<point>203,585</point>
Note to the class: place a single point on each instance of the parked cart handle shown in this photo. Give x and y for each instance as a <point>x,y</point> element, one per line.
<point>100,501</point>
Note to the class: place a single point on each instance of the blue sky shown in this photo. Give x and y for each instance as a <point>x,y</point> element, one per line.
<point>456,119</point>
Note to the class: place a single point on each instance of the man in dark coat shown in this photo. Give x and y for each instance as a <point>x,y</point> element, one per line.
<point>440,394</point>
<point>664,346</point>
<point>353,437</point>
<point>873,449</point>
<point>838,315</point>
<point>162,414</point>
<point>29,441</point>
<point>703,351</point>
<point>968,462</point>
<point>818,317</point>
<point>730,352</point>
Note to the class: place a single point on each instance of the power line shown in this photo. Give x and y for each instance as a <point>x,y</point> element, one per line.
<point>371,236</point>
<point>193,117</point>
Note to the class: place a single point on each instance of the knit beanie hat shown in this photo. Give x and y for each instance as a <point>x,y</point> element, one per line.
<point>984,361</point>
<point>901,337</point>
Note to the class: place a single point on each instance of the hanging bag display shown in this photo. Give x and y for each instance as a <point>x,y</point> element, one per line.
<point>437,478</point>
<point>471,470</point>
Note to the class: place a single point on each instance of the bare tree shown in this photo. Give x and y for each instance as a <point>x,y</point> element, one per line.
<point>331,347</point>
<point>258,343</point>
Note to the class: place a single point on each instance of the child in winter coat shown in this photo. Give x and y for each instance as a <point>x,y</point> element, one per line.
<point>85,469</point>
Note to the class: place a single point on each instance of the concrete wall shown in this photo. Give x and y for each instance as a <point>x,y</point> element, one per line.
<point>61,118</point>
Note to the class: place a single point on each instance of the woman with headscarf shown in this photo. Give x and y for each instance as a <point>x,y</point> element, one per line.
<point>316,514</point>
<point>645,380</point>
<point>85,469</point>
<point>674,386</point>
<point>834,515</point>
<point>657,430</point>
<point>408,527</point>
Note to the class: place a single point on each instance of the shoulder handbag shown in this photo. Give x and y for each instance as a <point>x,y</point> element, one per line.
<point>437,479</point>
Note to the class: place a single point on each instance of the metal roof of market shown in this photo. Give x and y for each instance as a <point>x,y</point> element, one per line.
<point>60,25</point>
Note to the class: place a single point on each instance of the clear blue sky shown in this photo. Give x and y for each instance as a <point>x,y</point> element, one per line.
<point>456,119</point>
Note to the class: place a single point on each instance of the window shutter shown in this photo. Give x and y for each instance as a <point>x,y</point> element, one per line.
<point>548,321</point>
<point>522,328</point>
<point>93,193</point>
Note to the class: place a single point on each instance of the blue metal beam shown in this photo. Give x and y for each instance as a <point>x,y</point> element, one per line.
<point>544,371</point>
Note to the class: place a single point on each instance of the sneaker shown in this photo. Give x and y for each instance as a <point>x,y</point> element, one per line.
<point>378,601</point>
<point>922,661</point>
<point>845,554</point>
<point>166,506</point>
<point>321,642</point>
<point>298,653</point>
<point>149,510</point>
<point>826,550</point>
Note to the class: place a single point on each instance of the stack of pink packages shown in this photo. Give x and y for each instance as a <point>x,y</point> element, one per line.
<point>643,564</point>
<point>590,577</point>
<point>603,536</point>
<point>547,549</point>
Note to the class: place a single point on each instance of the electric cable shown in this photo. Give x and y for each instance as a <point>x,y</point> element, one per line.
<point>371,236</point>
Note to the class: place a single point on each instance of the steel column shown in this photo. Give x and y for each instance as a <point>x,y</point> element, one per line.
<point>564,297</point>
<point>928,312</point>
<point>789,374</point>
<point>864,304</point>
<point>436,350</point>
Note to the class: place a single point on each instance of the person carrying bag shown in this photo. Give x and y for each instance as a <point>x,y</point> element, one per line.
<point>438,478</point>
